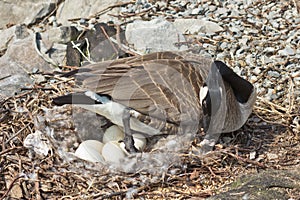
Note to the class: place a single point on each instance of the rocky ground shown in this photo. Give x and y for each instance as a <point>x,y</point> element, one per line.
<point>260,40</point>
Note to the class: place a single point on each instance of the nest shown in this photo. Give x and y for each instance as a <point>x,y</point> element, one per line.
<point>269,140</point>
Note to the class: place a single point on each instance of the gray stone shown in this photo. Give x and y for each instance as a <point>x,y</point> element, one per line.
<point>26,11</point>
<point>71,9</point>
<point>6,36</point>
<point>161,4</point>
<point>21,31</point>
<point>235,29</point>
<point>243,40</point>
<point>223,45</point>
<point>296,73</point>
<point>196,11</point>
<point>11,34</point>
<point>192,26</point>
<point>274,74</point>
<point>52,43</point>
<point>38,78</point>
<point>185,13</point>
<point>256,71</point>
<point>270,94</point>
<point>267,83</point>
<point>240,52</point>
<point>63,34</point>
<point>234,13</point>
<point>155,35</point>
<point>212,8</point>
<point>58,53</point>
<point>11,79</point>
<point>250,60</point>
<point>221,11</point>
<point>266,60</point>
<point>24,54</point>
<point>19,60</point>
<point>287,51</point>
<point>253,79</point>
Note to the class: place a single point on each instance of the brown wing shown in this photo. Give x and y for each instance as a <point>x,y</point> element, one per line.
<point>163,85</point>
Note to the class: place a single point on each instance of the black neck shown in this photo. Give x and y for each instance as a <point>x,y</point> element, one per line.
<point>242,88</point>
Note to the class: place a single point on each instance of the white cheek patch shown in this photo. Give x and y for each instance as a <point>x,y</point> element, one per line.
<point>203,93</point>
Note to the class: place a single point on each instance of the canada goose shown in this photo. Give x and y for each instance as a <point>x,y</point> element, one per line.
<point>165,93</point>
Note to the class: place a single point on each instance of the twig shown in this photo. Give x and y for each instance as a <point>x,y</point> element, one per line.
<point>291,96</point>
<point>88,49</point>
<point>17,133</point>
<point>78,49</point>
<point>38,44</point>
<point>244,159</point>
<point>121,46</point>
<point>272,104</point>
<point>37,88</point>
<point>11,149</point>
<point>125,48</point>
<point>70,67</point>
<point>109,196</point>
<point>109,39</point>
<point>37,185</point>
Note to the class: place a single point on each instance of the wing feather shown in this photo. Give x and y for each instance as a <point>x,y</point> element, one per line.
<point>163,85</point>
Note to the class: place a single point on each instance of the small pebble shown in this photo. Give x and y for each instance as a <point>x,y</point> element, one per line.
<point>274,74</point>
<point>287,51</point>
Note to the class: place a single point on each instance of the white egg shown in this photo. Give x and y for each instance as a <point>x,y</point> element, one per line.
<point>113,133</point>
<point>112,152</point>
<point>139,142</point>
<point>90,150</point>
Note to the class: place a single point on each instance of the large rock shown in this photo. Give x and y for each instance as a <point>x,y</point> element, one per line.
<point>52,43</point>
<point>6,36</point>
<point>20,59</point>
<point>71,9</point>
<point>22,53</point>
<point>25,11</point>
<point>155,35</point>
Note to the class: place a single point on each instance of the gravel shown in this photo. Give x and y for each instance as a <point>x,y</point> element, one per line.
<point>259,40</point>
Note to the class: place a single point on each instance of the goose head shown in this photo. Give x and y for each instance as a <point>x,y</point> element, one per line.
<point>226,100</point>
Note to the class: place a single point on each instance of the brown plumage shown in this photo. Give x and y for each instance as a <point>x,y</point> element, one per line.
<point>162,91</point>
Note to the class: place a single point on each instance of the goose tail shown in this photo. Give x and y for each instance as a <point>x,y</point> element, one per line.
<point>87,98</point>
